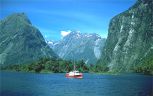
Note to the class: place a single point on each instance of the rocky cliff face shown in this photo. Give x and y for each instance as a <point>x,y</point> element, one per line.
<point>79,46</point>
<point>20,41</point>
<point>130,38</point>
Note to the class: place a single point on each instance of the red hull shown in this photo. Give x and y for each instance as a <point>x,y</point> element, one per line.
<point>74,76</point>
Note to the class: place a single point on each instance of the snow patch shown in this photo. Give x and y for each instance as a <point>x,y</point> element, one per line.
<point>78,35</point>
<point>132,23</point>
<point>117,45</point>
<point>132,15</point>
<point>121,29</point>
<point>127,43</point>
<point>97,50</point>
<point>56,43</point>
<point>50,42</point>
<point>88,35</point>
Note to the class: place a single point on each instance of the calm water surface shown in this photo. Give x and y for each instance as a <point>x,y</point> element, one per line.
<point>31,84</point>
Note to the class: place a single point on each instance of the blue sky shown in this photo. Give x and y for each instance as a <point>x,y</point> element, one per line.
<point>52,17</point>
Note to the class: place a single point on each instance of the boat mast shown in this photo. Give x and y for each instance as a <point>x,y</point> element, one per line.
<point>74,66</point>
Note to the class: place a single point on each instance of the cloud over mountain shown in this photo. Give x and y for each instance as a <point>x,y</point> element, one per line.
<point>65,33</point>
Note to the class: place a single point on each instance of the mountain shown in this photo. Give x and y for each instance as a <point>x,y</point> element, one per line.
<point>79,46</point>
<point>130,39</point>
<point>20,41</point>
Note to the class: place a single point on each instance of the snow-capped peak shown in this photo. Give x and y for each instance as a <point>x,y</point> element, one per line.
<point>49,42</point>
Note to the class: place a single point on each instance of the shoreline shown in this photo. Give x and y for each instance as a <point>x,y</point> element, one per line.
<point>98,73</point>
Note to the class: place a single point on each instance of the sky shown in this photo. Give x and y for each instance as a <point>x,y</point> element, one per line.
<point>56,18</point>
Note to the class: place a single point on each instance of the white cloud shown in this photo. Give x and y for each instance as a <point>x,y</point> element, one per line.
<point>65,33</point>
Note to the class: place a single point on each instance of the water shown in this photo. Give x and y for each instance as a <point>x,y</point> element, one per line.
<point>31,84</point>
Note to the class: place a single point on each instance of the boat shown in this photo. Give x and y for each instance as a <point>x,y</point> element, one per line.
<point>74,74</point>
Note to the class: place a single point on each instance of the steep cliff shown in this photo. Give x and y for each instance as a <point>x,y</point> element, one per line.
<point>130,38</point>
<point>20,41</point>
